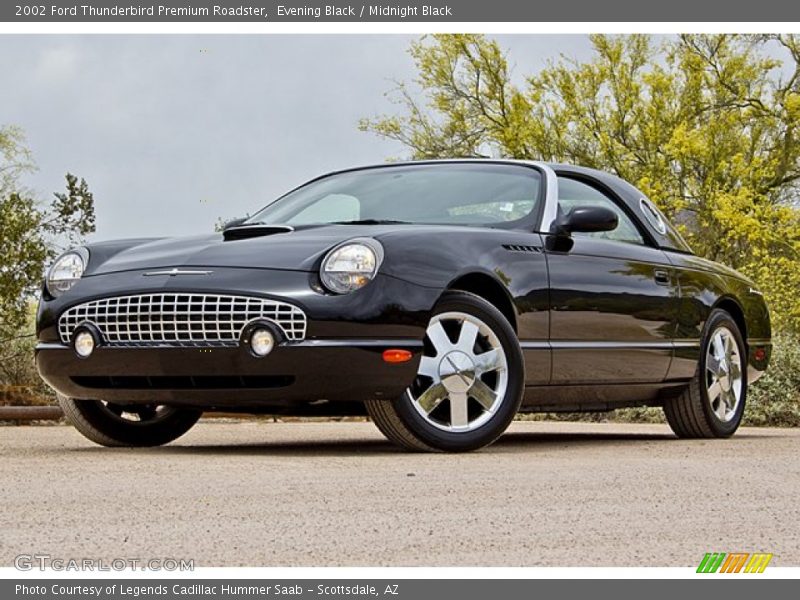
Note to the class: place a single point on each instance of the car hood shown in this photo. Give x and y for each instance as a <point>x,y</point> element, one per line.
<point>297,250</point>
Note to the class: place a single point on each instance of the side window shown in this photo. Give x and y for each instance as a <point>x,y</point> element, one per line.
<point>573,193</point>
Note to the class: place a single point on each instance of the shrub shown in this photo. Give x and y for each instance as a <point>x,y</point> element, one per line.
<point>20,384</point>
<point>774,400</point>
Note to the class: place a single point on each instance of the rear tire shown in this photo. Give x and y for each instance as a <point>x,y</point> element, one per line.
<point>118,425</point>
<point>469,385</point>
<point>713,404</point>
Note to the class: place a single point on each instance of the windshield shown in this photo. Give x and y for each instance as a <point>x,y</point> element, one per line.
<point>451,193</point>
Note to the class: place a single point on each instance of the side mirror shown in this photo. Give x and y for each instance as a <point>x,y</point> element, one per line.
<point>234,223</point>
<point>589,219</point>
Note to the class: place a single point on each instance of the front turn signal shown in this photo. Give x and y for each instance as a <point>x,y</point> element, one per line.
<point>396,355</point>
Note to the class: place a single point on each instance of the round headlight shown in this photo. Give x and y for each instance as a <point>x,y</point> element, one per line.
<point>66,271</point>
<point>351,266</point>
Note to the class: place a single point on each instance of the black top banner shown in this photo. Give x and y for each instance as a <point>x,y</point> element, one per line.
<point>431,11</point>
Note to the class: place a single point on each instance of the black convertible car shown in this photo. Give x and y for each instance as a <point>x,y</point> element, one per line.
<point>440,298</point>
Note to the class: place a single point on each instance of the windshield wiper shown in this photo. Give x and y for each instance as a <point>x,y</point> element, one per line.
<point>372,222</point>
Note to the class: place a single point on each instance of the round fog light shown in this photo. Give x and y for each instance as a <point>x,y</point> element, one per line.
<point>84,344</point>
<point>262,342</point>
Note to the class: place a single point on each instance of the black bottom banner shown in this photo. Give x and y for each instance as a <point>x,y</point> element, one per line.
<point>411,589</point>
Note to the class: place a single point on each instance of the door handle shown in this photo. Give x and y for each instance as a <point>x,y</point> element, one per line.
<point>661,277</point>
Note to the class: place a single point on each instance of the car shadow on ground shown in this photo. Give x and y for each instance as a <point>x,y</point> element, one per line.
<point>515,442</point>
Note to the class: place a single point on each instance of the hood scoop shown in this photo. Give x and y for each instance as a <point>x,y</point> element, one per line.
<point>243,232</point>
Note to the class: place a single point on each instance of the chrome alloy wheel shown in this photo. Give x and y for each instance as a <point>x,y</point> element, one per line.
<point>144,414</point>
<point>463,374</point>
<point>724,374</point>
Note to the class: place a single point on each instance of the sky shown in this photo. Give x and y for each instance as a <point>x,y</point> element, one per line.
<point>174,132</point>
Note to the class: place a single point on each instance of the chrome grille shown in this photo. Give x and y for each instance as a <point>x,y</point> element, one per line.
<point>180,319</point>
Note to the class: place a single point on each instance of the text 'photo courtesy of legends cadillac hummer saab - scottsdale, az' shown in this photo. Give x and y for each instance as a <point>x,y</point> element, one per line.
<point>440,298</point>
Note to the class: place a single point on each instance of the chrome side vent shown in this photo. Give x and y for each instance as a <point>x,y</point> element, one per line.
<point>522,248</point>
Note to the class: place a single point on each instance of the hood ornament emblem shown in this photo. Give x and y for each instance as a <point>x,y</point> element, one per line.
<point>175,272</point>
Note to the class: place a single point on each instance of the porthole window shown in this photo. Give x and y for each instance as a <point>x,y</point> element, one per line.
<point>653,216</point>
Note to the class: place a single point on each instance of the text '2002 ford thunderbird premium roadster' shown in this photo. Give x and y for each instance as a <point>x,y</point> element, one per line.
<point>441,298</point>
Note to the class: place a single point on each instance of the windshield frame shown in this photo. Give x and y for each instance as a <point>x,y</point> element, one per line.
<point>528,222</point>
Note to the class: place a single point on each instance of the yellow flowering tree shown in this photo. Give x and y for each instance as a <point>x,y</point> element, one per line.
<point>706,125</point>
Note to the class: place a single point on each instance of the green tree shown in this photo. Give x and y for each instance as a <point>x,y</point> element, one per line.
<point>32,233</point>
<point>705,125</point>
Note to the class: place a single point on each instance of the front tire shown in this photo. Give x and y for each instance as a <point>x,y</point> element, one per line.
<point>469,385</point>
<point>118,425</point>
<point>713,404</point>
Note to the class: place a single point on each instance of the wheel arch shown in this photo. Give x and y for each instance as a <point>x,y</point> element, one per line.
<point>490,289</point>
<point>736,312</point>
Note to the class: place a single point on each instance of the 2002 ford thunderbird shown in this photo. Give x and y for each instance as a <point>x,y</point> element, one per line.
<point>441,298</point>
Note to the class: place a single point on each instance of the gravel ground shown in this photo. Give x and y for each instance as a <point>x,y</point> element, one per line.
<point>256,493</point>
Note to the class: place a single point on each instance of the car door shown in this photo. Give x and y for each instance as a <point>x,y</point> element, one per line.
<point>613,297</point>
